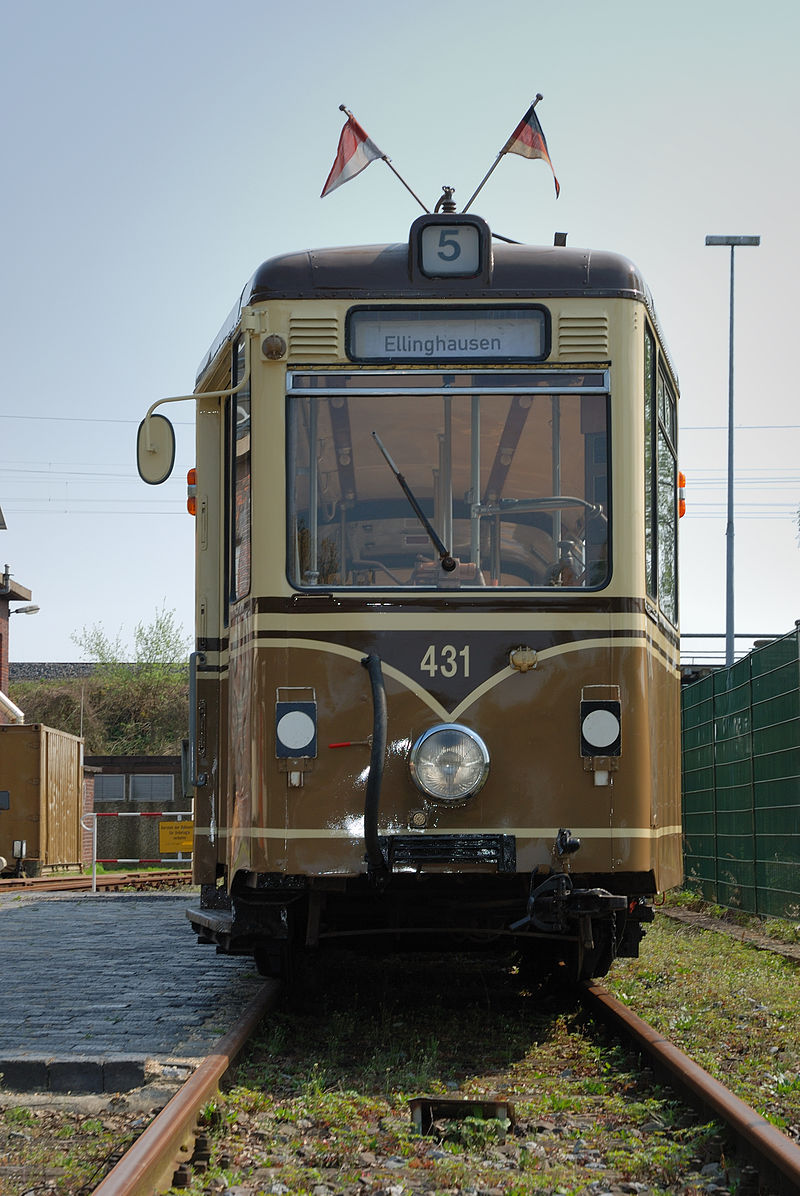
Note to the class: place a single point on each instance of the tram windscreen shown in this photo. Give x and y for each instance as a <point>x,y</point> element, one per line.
<point>514,485</point>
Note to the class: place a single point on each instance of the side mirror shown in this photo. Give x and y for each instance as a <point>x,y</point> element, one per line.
<point>155,449</point>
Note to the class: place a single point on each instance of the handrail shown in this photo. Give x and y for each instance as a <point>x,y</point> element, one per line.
<point>197,781</point>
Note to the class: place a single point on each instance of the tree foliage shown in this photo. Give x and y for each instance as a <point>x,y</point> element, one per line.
<point>137,705</point>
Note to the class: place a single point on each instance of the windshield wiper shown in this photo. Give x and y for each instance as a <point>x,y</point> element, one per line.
<point>447,561</point>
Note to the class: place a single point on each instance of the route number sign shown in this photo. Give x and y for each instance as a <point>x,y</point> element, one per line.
<point>451,249</point>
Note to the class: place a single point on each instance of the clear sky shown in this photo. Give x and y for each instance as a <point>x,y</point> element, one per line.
<point>154,153</point>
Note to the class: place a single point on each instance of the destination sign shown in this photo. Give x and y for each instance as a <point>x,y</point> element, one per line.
<point>448,334</point>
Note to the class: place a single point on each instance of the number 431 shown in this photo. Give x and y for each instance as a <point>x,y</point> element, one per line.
<point>448,661</point>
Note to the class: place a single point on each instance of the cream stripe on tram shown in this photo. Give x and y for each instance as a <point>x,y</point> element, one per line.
<point>521,832</point>
<point>489,684</point>
<point>458,620</point>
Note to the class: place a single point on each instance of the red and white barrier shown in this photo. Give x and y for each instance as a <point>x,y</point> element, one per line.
<point>95,814</point>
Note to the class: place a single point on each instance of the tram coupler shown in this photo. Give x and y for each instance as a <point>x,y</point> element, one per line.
<point>554,903</point>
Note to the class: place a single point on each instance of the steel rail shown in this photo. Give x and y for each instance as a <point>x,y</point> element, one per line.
<point>766,1142</point>
<point>108,880</point>
<point>148,1167</point>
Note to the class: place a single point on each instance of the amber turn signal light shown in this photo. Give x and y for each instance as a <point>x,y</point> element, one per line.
<point>191,491</point>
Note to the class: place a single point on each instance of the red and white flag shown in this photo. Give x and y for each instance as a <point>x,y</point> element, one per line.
<point>354,154</point>
<point>528,140</point>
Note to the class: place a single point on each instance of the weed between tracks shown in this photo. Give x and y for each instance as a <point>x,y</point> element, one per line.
<point>319,1105</point>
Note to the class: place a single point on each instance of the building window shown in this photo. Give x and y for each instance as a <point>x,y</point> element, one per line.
<point>109,786</point>
<point>150,786</point>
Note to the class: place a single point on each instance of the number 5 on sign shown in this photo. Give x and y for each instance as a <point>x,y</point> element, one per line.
<point>450,249</point>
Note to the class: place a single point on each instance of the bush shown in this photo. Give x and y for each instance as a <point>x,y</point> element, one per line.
<point>133,707</point>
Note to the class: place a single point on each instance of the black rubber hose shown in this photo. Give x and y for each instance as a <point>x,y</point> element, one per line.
<point>372,799</point>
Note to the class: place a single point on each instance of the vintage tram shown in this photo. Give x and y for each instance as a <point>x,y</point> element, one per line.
<point>435,692</point>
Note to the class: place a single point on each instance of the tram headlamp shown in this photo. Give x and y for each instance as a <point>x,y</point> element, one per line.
<point>449,763</point>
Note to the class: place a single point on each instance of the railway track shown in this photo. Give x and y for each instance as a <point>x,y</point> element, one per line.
<point>169,1143</point>
<point>107,881</point>
<point>169,1148</point>
<point>773,1153</point>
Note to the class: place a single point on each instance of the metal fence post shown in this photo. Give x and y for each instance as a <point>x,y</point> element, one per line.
<point>93,828</point>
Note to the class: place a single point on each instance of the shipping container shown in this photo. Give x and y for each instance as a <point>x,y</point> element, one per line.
<point>41,786</point>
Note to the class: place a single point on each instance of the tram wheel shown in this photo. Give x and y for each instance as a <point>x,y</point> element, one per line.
<point>274,959</point>
<point>590,963</point>
<point>566,964</point>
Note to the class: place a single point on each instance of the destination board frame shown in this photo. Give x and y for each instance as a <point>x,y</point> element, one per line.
<point>430,334</point>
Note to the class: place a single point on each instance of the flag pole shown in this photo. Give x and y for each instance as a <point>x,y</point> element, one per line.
<point>493,166</point>
<point>388,162</point>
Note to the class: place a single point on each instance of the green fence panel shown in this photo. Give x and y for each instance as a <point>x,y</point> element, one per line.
<point>774,708</point>
<point>740,756</point>
<point>781,825</point>
<point>775,794</point>
<point>779,889</point>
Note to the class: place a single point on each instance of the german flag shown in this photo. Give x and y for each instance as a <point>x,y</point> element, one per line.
<point>529,141</point>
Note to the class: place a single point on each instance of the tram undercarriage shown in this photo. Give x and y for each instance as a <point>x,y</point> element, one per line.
<point>573,926</point>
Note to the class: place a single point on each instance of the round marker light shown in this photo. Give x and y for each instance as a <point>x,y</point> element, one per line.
<point>296,730</point>
<point>600,729</point>
<point>449,762</point>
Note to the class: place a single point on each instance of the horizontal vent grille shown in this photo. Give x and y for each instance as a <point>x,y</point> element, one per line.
<point>583,338</point>
<point>313,338</point>
<point>415,851</point>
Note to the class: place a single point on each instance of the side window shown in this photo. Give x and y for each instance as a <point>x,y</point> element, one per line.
<point>660,484</point>
<point>649,459</point>
<point>239,482</point>
<point>667,500</point>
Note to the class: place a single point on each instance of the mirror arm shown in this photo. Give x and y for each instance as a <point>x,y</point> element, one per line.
<point>206,394</point>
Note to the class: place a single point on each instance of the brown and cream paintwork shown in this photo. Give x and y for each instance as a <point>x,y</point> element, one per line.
<point>250,818</point>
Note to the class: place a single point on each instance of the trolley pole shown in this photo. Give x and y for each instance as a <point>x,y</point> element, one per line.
<point>729,605</point>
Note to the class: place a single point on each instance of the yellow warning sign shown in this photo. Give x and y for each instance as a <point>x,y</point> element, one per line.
<point>175,836</point>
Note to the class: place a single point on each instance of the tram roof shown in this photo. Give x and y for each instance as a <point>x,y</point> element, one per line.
<point>365,272</point>
<point>379,271</point>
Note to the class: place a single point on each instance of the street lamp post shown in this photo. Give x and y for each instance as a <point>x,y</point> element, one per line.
<point>729,621</point>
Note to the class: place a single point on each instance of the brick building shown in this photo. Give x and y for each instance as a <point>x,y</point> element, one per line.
<point>10,591</point>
